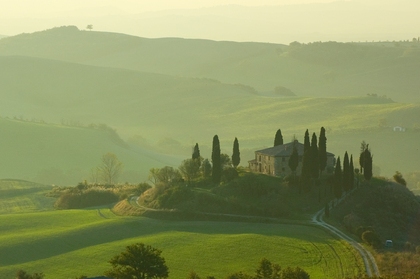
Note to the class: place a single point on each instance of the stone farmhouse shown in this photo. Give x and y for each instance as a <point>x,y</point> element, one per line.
<point>275,160</point>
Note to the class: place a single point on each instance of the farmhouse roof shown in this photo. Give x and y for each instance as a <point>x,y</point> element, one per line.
<point>284,150</point>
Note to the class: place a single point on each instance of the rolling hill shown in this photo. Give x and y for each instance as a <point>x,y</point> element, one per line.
<point>164,95</point>
<point>315,69</point>
<point>64,155</point>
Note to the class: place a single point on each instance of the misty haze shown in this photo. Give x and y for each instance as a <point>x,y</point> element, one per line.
<point>223,139</point>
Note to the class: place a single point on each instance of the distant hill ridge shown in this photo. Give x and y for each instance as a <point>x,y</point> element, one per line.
<point>317,69</point>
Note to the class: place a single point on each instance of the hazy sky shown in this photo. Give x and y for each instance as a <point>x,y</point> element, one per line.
<point>283,21</point>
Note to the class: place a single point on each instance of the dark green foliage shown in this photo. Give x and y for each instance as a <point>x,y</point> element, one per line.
<point>327,210</point>
<point>322,150</point>
<point>306,142</point>
<point>267,270</point>
<point>239,275</point>
<point>346,173</point>
<point>294,161</point>
<point>206,168</point>
<point>229,174</point>
<point>193,275</point>
<point>338,179</point>
<point>371,238</point>
<point>215,159</point>
<point>88,198</point>
<point>307,165</point>
<point>399,178</point>
<point>294,273</point>
<point>351,173</point>
<point>363,147</point>
<point>177,197</point>
<point>23,275</point>
<point>138,261</point>
<point>190,169</point>
<point>368,164</point>
<point>236,157</point>
<point>314,157</point>
<point>196,152</point>
<point>278,139</point>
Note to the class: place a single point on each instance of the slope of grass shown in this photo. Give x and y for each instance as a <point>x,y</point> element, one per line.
<point>65,244</point>
<point>56,154</point>
<point>23,196</point>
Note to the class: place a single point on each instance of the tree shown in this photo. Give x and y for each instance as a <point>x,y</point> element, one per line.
<point>294,273</point>
<point>368,164</point>
<point>314,157</point>
<point>398,177</point>
<point>190,169</point>
<point>236,155</point>
<point>168,175</point>
<point>89,27</point>
<point>351,172</point>
<point>215,159</point>
<point>306,142</point>
<point>363,147</point>
<point>193,275</point>
<point>338,178</point>
<point>346,172</point>
<point>322,150</point>
<point>267,270</point>
<point>206,168</point>
<point>278,139</point>
<point>196,153</point>
<point>138,261</point>
<point>294,159</point>
<point>110,168</point>
<point>21,274</point>
<point>306,173</point>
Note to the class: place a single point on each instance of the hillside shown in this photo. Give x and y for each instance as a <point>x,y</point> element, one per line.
<point>382,69</point>
<point>57,154</point>
<point>167,114</point>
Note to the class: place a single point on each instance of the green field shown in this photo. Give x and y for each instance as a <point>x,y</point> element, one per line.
<point>66,244</point>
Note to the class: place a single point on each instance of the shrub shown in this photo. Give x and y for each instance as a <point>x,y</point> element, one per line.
<point>371,238</point>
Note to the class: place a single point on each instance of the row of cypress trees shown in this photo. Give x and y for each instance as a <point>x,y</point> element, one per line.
<point>216,161</point>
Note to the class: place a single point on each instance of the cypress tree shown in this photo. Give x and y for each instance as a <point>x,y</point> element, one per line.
<point>368,161</point>
<point>306,174</point>
<point>346,172</point>
<point>294,160</point>
<point>236,157</point>
<point>322,150</point>
<point>306,143</point>
<point>215,159</point>
<point>196,152</point>
<point>363,147</point>
<point>351,172</point>
<point>278,139</point>
<point>338,178</point>
<point>314,157</point>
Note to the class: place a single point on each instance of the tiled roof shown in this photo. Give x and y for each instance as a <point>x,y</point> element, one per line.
<point>284,150</point>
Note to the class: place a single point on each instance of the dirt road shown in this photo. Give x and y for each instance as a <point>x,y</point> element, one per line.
<point>368,260</point>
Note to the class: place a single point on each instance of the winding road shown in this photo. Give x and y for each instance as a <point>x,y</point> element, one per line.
<point>368,260</point>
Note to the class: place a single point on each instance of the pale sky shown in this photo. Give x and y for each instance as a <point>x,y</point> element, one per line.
<point>281,21</point>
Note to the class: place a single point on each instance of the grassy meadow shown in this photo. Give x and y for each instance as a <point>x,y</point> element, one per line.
<point>66,244</point>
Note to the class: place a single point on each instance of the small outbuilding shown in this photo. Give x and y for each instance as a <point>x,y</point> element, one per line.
<point>388,243</point>
<point>398,129</point>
